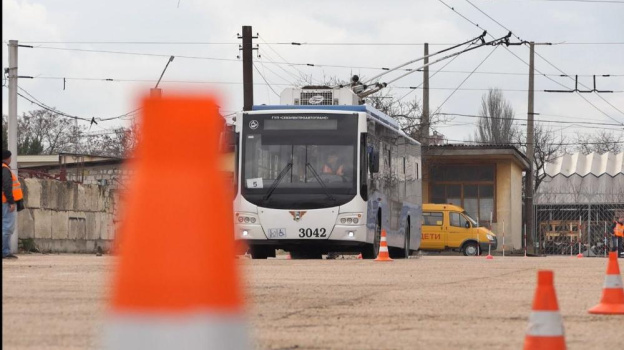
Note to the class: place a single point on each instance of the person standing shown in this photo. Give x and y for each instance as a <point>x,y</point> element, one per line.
<point>11,193</point>
<point>617,230</point>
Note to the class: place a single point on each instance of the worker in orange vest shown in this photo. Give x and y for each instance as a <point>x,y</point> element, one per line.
<point>332,166</point>
<point>11,195</point>
<point>618,235</point>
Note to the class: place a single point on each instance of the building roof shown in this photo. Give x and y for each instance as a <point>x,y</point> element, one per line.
<point>482,151</point>
<point>46,160</point>
<point>585,164</point>
<point>582,179</point>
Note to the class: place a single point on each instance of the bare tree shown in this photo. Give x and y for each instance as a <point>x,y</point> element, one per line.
<point>548,147</point>
<point>495,124</point>
<point>601,142</point>
<point>119,142</point>
<point>45,132</point>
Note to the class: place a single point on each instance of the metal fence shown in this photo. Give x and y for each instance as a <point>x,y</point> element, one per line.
<point>570,229</point>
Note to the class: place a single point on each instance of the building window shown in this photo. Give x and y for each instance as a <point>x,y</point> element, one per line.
<point>471,187</point>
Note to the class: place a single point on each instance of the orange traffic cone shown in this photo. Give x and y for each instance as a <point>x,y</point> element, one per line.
<point>383,248</point>
<point>360,256</point>
<point>176,285</point>
<point>612,302</point>
<point>545,329</point>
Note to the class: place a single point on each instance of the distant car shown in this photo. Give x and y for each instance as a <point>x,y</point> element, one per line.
<point>449,227</point>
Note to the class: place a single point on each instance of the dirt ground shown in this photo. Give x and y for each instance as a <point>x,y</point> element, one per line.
<point>429,302</point>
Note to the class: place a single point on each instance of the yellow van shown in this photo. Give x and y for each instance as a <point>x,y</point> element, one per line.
<point>449,227</point>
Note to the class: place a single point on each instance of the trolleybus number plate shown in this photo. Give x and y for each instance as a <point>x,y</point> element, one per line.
<point>312,233</point>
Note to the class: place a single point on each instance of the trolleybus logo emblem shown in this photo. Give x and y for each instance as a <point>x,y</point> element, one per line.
<point>297,215</point>
<point>316,100</point>
<point>253,125</point>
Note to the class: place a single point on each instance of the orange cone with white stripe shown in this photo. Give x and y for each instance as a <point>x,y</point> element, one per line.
<point>383,255</point>
<point>545,329</point>
<point>177,282</point>
<point>612,302</point>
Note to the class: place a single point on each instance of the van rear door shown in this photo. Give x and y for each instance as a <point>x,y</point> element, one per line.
<point>433,230</point>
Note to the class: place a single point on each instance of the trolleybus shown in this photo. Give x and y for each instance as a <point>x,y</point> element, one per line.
<point>321,173</point>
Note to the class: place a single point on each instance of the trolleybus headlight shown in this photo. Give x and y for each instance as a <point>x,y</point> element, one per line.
<point>490,237</point>
<point>246,220</point>
<point>355,220</point>
<point>240,219</point>
<point>343,221</point>
<point>253,220</point>
<point>349,220</point>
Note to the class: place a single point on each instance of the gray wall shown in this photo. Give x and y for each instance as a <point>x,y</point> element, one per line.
<point>67,217</point>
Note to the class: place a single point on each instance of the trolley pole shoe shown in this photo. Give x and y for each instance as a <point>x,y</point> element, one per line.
<point>176,284</point>
<point>545,330</point>
<point>612,302</point>
<point>383,248</point>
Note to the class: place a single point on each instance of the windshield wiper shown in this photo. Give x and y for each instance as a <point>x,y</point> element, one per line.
<point>318,178</point>
<point>278,180</point>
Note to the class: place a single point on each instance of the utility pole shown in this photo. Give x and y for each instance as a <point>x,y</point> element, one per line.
<point>156,92</point>
<point>247,67</point>
<point>528,185</point>
<point>12,132</point>
<point>424,122</point>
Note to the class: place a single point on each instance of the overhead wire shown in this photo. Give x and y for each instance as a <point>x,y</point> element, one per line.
<point>433,75</point>
<point>558,83</point>
<point>557,68</point>
<point>263,78</point>
<point>465,79</point>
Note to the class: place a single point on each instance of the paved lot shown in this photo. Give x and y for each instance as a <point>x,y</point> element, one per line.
<point>431,302</point>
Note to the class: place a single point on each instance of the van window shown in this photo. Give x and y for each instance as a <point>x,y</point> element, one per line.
<point>458,220</point>
<point>432,219</point>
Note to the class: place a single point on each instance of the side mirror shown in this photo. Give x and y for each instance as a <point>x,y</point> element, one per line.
<point>374,161</point>
<point>467,224</point>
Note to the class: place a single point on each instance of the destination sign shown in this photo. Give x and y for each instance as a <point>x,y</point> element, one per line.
<point>298,122</point>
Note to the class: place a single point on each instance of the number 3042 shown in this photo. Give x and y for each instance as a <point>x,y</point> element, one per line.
<point>309,232</point>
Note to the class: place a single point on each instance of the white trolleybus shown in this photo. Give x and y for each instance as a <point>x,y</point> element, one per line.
<point>321,173</point>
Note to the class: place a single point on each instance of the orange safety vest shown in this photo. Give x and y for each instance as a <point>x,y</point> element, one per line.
<point>618,230</point>
<point>17,188</point>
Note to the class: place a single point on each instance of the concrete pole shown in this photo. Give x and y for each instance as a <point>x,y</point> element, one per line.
<point>528,185</point>
<point>155,92</point>
<point>12,132</point>
<point>424,127</point>
<point>247,68</point>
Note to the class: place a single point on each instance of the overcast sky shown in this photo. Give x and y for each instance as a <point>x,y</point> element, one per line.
<point>591,37</point>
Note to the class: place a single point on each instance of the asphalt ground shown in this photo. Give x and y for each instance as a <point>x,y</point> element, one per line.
<point>426,302</point>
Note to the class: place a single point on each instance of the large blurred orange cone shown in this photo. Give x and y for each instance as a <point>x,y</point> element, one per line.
<point>177,285</point>
<point>545,329</point>
<point>383,248</point>
<point>612,301</point>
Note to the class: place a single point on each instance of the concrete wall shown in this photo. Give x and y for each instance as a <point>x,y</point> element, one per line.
<point>66,217</point>
<point>508,205</point>
<point>113,175</point>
